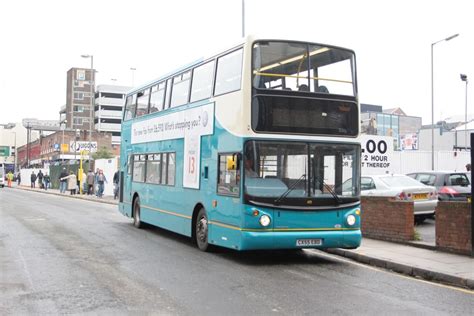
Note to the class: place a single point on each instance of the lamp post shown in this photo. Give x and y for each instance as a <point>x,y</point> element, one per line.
<point>432,97</point>
<point>63,127</point>
<point>133,75</point>
<point>464,78</point>
<point>92,97</point>
<point>243,18</point>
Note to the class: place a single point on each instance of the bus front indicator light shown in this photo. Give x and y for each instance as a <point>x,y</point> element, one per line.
<point>351,220</point>
<point>264,220</point>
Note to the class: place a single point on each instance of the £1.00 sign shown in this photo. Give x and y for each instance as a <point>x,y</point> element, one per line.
<point>376,153</point>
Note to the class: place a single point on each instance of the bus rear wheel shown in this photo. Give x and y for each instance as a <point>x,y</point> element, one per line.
<point>136,213</point>
<point>202,231</point>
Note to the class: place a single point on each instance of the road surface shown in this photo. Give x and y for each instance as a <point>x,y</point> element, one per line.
<point>60,255</point>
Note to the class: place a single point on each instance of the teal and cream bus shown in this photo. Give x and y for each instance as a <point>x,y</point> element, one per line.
<point>248,149</point>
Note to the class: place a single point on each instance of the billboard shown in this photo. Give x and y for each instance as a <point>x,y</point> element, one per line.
<point>79,146</point>
<point>4,151</point>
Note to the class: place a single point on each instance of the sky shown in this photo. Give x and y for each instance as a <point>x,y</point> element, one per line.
<point>42,40</point>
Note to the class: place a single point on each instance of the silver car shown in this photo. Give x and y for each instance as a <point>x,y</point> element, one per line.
<point>404,188</point>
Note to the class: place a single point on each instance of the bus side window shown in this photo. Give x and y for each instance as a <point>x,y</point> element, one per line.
<point>229,73</point>
<point>130,106</point>
<point>168,94</point>
<point>142,102</point>
<point>157,97</point>
<point>229,175</point>
<point>129,167</point>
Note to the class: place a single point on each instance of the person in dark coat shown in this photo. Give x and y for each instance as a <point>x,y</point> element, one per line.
<point>33,179</point>
<point>63,181</point>
<point>116,184</point>
<point>40,179</point>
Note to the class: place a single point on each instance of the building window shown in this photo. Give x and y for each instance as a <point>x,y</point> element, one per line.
<point>78,95</point>
<point>111,95</point>
<point>78,108</point>
<point>77,121</point>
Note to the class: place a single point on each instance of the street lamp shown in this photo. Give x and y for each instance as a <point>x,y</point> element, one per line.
<point>133,75</point>
<point>243,18</point>
<point>92,108</point>
<point>432,97</point>
<point>464,78</point>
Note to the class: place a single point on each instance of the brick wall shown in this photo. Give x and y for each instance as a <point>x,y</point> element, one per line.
<point>387,219</point>
<point>453,227</point>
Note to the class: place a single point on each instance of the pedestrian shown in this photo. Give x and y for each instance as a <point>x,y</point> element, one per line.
<point>90,182</point>
<point>33,179</point>
<point>40,179</point>
<point>18,178</point>
<point>71,182</point>
<point>101,180</point>
<point>84,183</point>
<point>9,179</point>
<point>96,183</point>
<point>116,181</point>
<point>46,181</point>
<point>468,167</point>
<point>63,183</point>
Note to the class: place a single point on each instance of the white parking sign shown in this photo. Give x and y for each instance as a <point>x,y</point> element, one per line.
<point>377,152</point>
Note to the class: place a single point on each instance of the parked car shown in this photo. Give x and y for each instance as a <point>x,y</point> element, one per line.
<point>402,187</point>
<point>453,186</point>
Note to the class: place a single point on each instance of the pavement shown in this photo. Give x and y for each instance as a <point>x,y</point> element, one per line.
<point>409,259</point>
<point>108,199</point>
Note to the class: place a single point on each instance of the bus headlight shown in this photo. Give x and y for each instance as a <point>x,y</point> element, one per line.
<point>351,220</point>
<point>264,220</point>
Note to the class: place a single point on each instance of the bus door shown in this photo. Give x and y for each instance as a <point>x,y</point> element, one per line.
<point>126,180</point>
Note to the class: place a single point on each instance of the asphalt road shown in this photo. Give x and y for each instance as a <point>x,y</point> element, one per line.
<point>61,255</point>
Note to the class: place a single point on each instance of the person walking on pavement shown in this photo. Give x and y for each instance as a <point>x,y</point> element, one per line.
<point>63,183</point>
<point>71,182</point>
<point>96,183</point>
<point>40,179</point>
<point>9,179</point>
<point>101,180</point>
<point>116,181</point>
<point>33,179</point>
<point>46,181</point>
<point>90,182</point>
<point>18,178</point>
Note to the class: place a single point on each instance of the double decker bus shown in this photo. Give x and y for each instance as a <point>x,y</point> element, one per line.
<point>253,148</point>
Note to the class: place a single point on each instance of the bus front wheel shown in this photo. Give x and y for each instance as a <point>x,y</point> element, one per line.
<point>202,231</point>
<point>136,213</point>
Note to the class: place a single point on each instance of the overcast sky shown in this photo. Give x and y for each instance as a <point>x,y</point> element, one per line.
<point>42,40</point>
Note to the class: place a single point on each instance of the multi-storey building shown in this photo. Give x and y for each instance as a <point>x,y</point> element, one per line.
<point>77,112</point>
<point>109,102</point>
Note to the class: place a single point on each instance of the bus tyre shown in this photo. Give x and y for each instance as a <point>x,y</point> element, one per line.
<point>202,231</point>
<point>136,213</point>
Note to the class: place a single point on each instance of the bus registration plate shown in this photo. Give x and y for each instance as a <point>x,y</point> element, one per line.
<point>309,242</point>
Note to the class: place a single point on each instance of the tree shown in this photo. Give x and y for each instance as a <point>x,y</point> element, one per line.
<point>102,153</point>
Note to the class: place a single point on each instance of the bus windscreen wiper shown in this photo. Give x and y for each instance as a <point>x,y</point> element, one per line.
<point>330,190</point>
<point>291,188</point>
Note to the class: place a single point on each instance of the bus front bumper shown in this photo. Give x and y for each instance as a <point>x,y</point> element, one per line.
<point>348,239</point>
